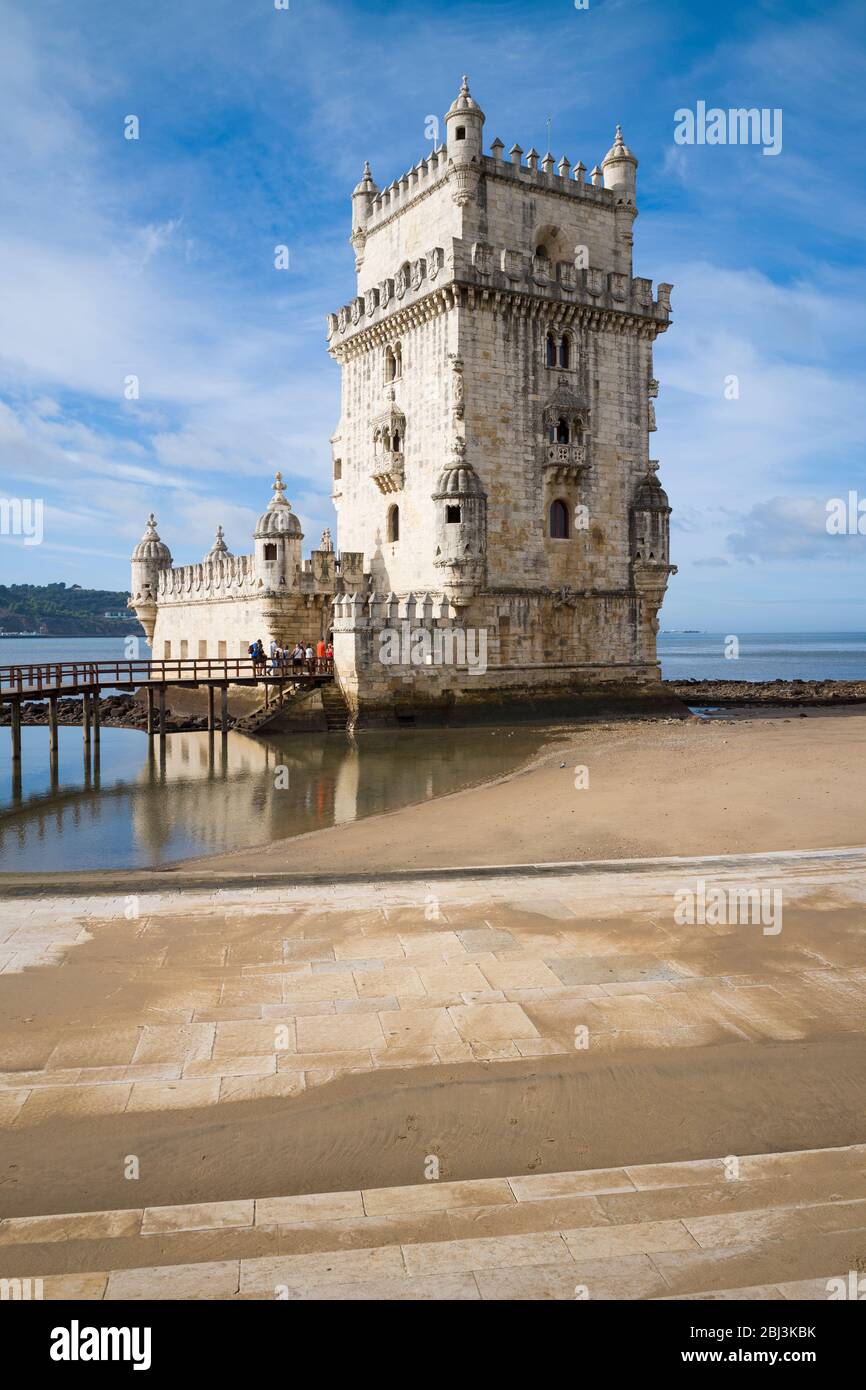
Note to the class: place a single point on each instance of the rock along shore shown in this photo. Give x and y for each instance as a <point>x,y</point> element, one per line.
<point>115,712</point>
<point>777,692</point>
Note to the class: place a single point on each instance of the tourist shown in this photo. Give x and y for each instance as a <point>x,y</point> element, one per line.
<point>259,659</point>
<point>329,657</point>
<point>320,654</point>
<point>297,658</point>
<point>310,659</point>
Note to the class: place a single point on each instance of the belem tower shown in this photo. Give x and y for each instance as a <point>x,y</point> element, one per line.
<point>491,469</point>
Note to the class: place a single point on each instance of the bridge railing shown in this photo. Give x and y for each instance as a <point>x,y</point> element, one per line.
<point>54,676</point>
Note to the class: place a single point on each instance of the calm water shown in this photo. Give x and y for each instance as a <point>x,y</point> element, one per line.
<point>131,809</point>
<point>207,795</point>
<point>764,656</point>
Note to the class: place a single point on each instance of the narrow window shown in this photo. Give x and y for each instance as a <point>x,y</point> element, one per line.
<point>395,444</point>
<point>166,651</point>
<point>562,434</point>
<point>221,649</point>
<point>184,650</point>
<point>551,350</point>
<point>202,649</point>
<point>460,133</point>
<point>452,514</point>
<point>559,521</point>
<point>398,362</point>
<point>390,364</point>
<point>564,352</point>
<point>338,469</point>
<point>393,524</point>
<point>270,551</point>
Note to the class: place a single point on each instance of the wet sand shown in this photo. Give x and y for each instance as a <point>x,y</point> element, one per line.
<point>554,1114</point>
<point>655,789</point>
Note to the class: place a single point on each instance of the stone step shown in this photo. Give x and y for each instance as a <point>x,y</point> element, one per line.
<point>679,1230</point>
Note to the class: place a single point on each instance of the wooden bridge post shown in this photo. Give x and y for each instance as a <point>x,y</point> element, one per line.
<point>162,712</point>
<point>94,699</point>
<point>150,711</point>
<point>210,709</point>
<point>224,708</point>
<point>85,717</point>
<point>52,723</point>
<point>15,708</point>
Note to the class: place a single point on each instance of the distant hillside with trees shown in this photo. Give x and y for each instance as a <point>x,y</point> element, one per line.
<point>65,612</point>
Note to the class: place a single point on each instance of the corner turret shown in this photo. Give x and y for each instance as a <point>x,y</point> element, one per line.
<point>278,537</point>
<point>149,558</point>
<point>461,528</point>
<point>619,168</point>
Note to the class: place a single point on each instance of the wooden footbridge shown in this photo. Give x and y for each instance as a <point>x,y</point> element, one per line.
<point>51,680</point>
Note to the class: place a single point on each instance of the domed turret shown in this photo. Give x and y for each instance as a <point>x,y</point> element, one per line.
<point>649,522</point>
<point>460,528</point>
<point>619,168</point>
<point>278,537</point>
<point>464,125</point>
<point>362,198</point>
<point>150,549</point>
<point>149,558</point>
<point>219,550</point>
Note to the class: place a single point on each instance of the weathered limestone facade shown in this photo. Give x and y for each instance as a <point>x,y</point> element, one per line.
<point>492,457</point>
<point>491,466</point>
<point>217,607</point>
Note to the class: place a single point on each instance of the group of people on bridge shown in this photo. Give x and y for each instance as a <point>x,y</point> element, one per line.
<point>302,659</point>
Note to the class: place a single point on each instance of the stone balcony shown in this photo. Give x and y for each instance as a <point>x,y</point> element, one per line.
<point>562,462</point>
<point>388,472</point>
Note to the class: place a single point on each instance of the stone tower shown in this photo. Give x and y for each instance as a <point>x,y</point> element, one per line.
<point>497,404</point>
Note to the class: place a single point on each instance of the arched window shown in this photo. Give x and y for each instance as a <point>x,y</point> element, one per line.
<point>559,520</point>
<point>550,352</point>
<point>541,253</point>
<point>393,524</point>
<point>559,433</point>
<point>564,351</point>
<point>395,444</point>
<point>398,362</point>
<point>578,432</point>
<point>390,364</point>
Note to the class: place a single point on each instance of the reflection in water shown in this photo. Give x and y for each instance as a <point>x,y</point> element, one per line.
<point>129,800</point>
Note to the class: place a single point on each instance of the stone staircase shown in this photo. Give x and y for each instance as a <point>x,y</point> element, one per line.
<point>265,715</point>
<point>785,1226</point>
<point>335,707</point>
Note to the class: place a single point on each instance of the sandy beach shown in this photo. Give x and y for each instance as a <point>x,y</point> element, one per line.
<point>769,782</point>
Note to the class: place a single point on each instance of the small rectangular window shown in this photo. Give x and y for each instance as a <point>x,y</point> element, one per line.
<point>221,649</point>
<point>202,649</point>
<point>270,552</point>
<point>184,650</point>
<point>166,650</point>
<point>338,468</point>
<point>452,514</point>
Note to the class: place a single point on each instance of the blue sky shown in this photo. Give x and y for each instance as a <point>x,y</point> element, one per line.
<point>155,258</point>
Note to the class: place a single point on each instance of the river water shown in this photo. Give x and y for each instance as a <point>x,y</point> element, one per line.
<point>142,804</point>
<point>132,808</point>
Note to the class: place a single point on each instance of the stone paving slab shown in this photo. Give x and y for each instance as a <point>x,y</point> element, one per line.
<point>502,1239</point>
